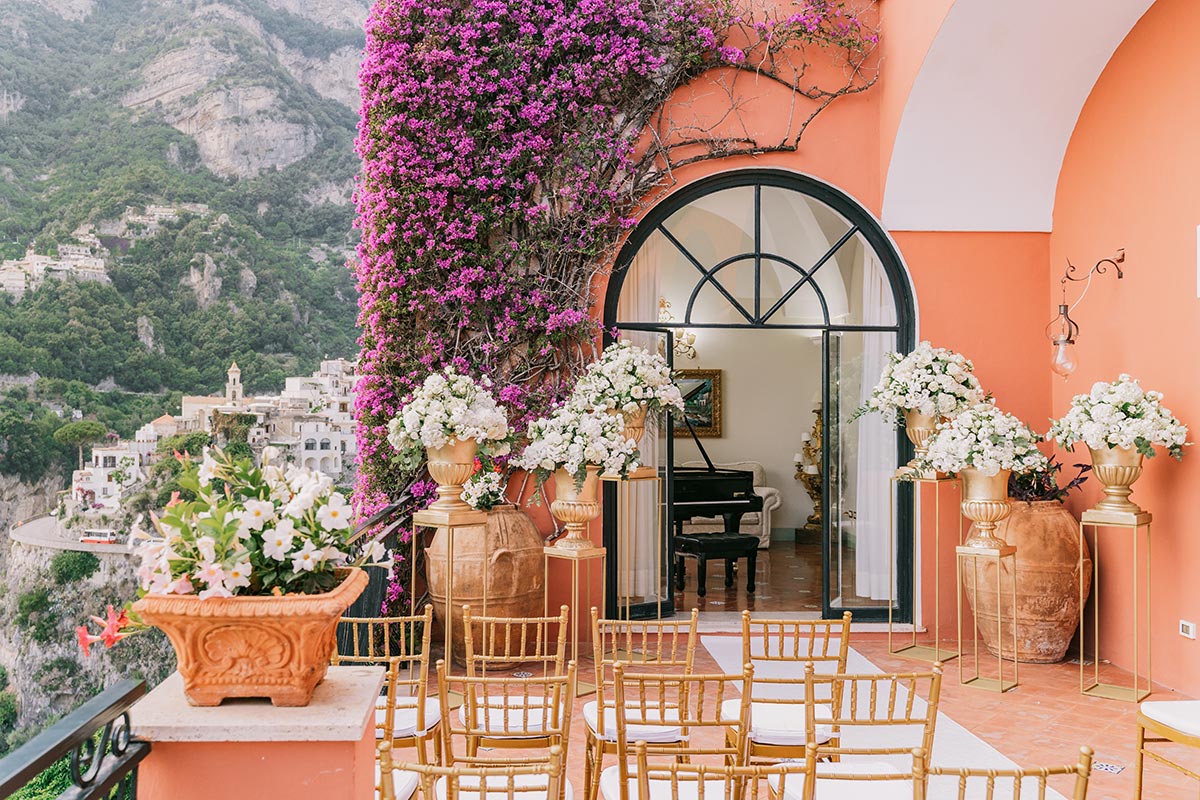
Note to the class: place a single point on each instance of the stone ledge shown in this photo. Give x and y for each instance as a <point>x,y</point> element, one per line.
<point>343,705</point>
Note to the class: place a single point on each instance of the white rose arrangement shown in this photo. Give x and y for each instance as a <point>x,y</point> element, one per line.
<point>484,490</point>
<point>1121,414</point>
<point>449,406</point>
<point>624,377</point>
<point>930,380</point>
<point>987,439</point>
<point>261,530</point>
<point>572,439</point>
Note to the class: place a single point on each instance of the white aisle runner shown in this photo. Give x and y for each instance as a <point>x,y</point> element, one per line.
<point>953,745</point>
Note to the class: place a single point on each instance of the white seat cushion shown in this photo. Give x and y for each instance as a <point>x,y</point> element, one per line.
<point>497,788</point>
<point>653,734</point>
<point>835,789</point>
<point>404,720</point>
<point>404,783</point>
<point>509,716</point>
<point>610,788</point>
<point>1180,715</point>
<point>779,723</point>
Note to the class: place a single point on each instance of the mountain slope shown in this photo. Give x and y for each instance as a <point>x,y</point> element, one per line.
<point>246,106</point>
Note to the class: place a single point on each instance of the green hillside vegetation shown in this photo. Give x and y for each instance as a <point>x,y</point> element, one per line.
<point>72,154</point>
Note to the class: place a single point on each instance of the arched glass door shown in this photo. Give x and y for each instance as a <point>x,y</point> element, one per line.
<point>795,294</point>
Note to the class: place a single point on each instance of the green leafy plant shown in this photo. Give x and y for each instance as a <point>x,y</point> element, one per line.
<point>72,565</point>
<point>33,614</point>
<point>1042,484</point>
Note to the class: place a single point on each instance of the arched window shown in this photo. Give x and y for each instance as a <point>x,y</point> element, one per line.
<point>814,274</point>
<point>310,444</point>
<point>324,444</point>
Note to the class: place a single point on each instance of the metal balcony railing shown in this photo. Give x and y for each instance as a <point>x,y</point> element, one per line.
<point>95,741</point>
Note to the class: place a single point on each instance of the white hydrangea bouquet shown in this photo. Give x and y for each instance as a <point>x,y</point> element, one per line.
<point>930,380</point>
<point>1121,414</point>
<point>449,406</point>
<point>484,490</point>
<point>571,439</point>
<point>250,530</point>
<point>984,438</point>
<point>625,378</point>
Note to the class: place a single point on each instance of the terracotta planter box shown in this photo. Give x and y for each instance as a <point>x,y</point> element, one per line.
<point>272,647</point>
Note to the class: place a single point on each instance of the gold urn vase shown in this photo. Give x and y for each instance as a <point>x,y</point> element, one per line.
<point>985,503</point>
<point>919,428</point>
<point>1116,468</point>
<point>576,507</point>
<point>450,467</point>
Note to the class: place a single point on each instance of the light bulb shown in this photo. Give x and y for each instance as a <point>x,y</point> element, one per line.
<point>1064,362</point>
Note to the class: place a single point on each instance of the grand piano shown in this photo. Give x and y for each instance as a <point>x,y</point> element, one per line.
<point>710,491</point>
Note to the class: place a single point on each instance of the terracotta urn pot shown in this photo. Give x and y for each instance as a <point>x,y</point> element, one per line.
<point>516,577</point>
<point>273,647</point>
<point>576,506</point>
<point>1117,468</point>
<point>450,467</point>
<point>1046,535</point>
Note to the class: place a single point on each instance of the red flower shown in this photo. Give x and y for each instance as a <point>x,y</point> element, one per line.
<point>111,628</point>
<point>85,639</point>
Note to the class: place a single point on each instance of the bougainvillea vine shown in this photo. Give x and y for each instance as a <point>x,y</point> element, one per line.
<point>505,146</point>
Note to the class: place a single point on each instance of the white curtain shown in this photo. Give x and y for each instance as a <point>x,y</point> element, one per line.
<point>876,445</point>
<point>639,525</point>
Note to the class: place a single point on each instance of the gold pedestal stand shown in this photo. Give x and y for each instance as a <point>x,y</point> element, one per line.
<point>626,540</point>
<point>920,652</point>
<point>1132,522</point>
<point>996,556</point>
<point>451,521</point>
<point>575,557</point>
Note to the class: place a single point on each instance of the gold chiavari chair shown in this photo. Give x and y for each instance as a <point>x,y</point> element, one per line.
<point>883,715</point>
<point>405,715</point>
<point>691,702</point>
<point>673,779</point>
<point>506,712</point>
<point>663,646</point>
<point>993,784</point>
<point>1175,721</point>
<point>779,650</point>
<point>538,781</point>
<point>500,643</point>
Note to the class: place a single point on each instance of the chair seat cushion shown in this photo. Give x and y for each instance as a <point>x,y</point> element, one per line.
<point>652,734</point>
<point>828,788</point>
<point>525,787</point>
<point>779,724</point>
<point>716,544</point>
<point>1179,715</point>
<point>610,788</point>
<point>509,716</point>
<point>404,783</point>
<point>404,720</point>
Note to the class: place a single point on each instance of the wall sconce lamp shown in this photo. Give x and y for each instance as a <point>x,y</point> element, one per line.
<point>683,340</point>
<point>1062,330</point>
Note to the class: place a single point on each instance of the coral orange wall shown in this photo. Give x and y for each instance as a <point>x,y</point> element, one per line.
<point>1131,179</point>
<point>982,294</point>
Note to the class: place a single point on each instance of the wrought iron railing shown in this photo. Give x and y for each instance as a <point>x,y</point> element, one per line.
<point>94,739</point>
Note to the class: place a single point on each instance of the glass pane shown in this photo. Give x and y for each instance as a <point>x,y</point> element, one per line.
<point>868,293</point>
<point>862,458</point>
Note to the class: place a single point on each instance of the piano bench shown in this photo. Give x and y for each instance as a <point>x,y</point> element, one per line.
<point>703,546</point>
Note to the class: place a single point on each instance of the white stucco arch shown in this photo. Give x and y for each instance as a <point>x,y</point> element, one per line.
<point>984,130</point>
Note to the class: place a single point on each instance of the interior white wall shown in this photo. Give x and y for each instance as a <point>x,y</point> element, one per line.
<point>983,134</point>
<point>772,381</point>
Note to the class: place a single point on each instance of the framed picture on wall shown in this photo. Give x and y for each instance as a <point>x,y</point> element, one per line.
<point>701,390</point>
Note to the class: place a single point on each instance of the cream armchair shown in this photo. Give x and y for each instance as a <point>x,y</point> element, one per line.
<point>754,523</point>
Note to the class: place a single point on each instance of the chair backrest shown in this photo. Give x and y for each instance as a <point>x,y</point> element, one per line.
<point>399,644</point>
<point>528,781</point>
<point>663,646</point>
<point>779,649</point>
<point>884,700</point>
<point>692,703</point>
<point>537,708</point>
<point>499,642</point>
<point>1017,784</point>
<point>712,781</point>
